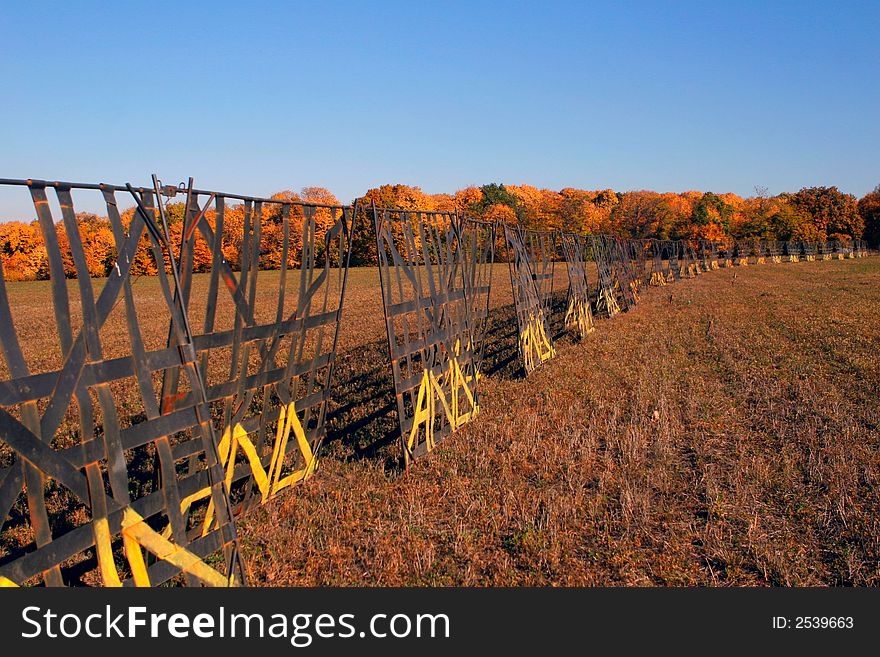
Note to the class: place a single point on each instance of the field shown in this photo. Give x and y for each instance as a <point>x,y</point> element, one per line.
<point>723,432</point>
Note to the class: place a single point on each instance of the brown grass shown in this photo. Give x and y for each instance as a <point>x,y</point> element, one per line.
<point>722,433</point>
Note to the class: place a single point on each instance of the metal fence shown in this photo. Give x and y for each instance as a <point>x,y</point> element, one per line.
<point>171,408</point>
<point>435,273</point>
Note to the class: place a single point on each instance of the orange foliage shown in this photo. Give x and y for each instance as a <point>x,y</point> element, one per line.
<point>542,206</point>
<point>22,251</point>
<point>401,197</point>
<point>466,198</point>
<point>444,202</point>
<point>500,213</point>
<point>733,200</point>
<point>689,214</point>
<point>581,213</point>
<point>712,232</point>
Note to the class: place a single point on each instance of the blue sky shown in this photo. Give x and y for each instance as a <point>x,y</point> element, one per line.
<point>257,97</point>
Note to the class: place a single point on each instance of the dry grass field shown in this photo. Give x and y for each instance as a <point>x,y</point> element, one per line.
<point>723,432</point>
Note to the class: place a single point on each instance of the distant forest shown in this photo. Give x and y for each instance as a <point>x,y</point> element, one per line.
<point>812,214</point>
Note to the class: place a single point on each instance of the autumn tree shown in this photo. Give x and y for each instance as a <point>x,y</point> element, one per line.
<point>324,219</point>
<point>403,197</point>
<point>494,194</point>
<point>400,197</point>
<point>467,198</point>
<point>443,202</point>
<point>830,210</point>
<point>751,217</point>
<point>636,215</point>
<point>579,212</point>
<point>811,214</point>
<point>712,210</point>
<point>869,211</point>
<point>788,222</point>
<point>672,215</point>
<point>98,243</point>
<point>22,251</point>
<point>607,198</point>
<point>540,208</point>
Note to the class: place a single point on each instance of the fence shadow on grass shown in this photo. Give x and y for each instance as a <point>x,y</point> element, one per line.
<point>362,420</point>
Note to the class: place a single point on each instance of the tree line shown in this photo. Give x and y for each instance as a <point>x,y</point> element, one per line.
<point>813,214</point>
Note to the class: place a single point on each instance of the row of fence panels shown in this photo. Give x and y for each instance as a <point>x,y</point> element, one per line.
<point>168,409</point>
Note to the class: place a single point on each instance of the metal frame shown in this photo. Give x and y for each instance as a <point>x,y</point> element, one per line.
<point>725,253</point>
<point>742,251</point>
<point>281,338</point>
<point>691,264</point>
<point>202,443</point>
<point>656,277</point>
<point>609,298</point>
<point>578,315</point>
<point>760,251</point>
<point>147,493</point>
<point>639,256</point>
<point>541,247</point>
<point>673,256</point>
<point>661,273</point>
<point>435,275</point>
<point>623,271</point>
<point>45,466</point>
<point>535,344</point>
<point>713,254</point>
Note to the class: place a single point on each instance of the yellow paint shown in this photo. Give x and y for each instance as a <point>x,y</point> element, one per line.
<point>633,286</point>
<point>104,549</point>
<point>423,415</point>
<point>6,583</point>
<point>137,534</point>
<point>432,389</point>
<point>608,302</point>
<point>578,317</point>
<point>269,482</point>
<point>657,279</point>
<point>136,559</point>
<point>535,345</point>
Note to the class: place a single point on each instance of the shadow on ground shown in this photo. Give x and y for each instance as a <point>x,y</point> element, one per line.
<point>362,422</point>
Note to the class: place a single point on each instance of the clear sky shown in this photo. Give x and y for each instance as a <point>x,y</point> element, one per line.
<point>255,97</point>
